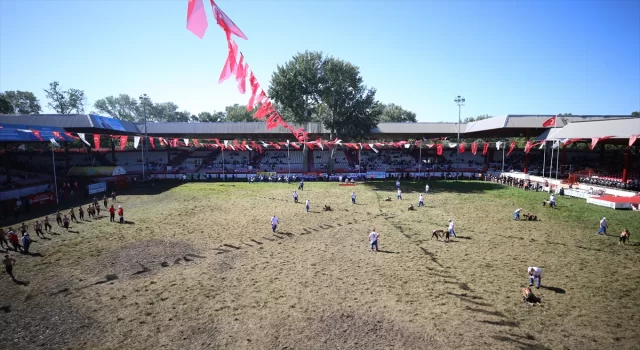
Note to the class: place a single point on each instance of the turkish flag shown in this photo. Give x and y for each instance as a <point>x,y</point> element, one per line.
<point>196,18</point>
<point>439,149</point>
<point>153,145</point>
<point>123,142</point>
<point>595,140</point>
<point>633,139</point>
<point>461,147</point>
<point>230,64</point>
<point>225,22</point>
<point>485,148</point>
<point>527,147</point>
<point>474,148</point>
<point>96,140</point>
<point>512,146</point>
<point>549,122</point>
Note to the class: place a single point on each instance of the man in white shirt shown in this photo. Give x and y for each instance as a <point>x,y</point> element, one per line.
<point>274,223</point>
<point>535,273</point>
<point>373,240</point>
<point>452,226</point>
<point>516,214</point>
<point>421,201</point>
<point>307,205</point>
<point>353,197</point>
<point>295,196</point>
<point>603,227</point>
<point>426,188</point>
<point>399,196</point>
<point>552,201</point>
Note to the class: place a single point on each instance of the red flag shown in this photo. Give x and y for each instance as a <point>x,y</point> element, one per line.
<point>152,144</point>
<point>461,147</point>
<point>439,149</point>
<point>196,18</point>
<point>549,122</point>
<point>96,140</point>
<point>474,148</point>
<point>633,139</point>
<point>241,75</point>
<point>123,142</point>
<point>527,147</point>
<point>253,82</point>
<point>566,143</point>
<point>225,22</point>
<point>295,145</point>
<point>595,140</point>
<point>230,65</point>
<point>175,142</point>
<point>37,133</point>
<point>70,135</point>
<point>57,135</point>
<point>512,146</point>
<point>485,148</point>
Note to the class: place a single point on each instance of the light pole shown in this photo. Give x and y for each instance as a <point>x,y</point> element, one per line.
<point>459,100</point>
<point>144,99</point>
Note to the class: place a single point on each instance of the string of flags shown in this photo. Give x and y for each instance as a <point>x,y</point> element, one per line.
<point>235,65</point>
<point>251,145</point>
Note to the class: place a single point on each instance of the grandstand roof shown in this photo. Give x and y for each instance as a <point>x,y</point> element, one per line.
<point>618,129</point>
<point>505,126</point>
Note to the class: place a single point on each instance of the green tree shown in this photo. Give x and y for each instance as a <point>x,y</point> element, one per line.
<point>5,106</point>
<point>22,102</point>
<point>123,107</point>
<point>475,119</point>
<point>635,114</point>
<point>162,112</point>
<point>65,101</point>
<point>297,86</point>
<point>392,113</point>
<point>209,117</point>
<point>239,113</point>
<point>312,87</point>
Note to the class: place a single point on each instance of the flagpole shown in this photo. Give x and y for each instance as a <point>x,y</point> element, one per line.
<point>551,164</point>
<point>55,178</point>
<point>503,159</point>
<point>544,156</point>
<point>420,160</point>
<point>223,172</point>
<point>289,157</point>
<point>557,161</point>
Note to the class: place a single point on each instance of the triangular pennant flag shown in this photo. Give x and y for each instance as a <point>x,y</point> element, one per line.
<point>55,144</point>
<point>633,139</point>
<point>461,147</point>
<point>485,148</point>
<point>83,138</point>
<point>474,148</point>
<point>439,149</point>
<point>96,141</point>
<point>136,141</point>
<point>453,145</point>
<point>542,144</point>
<point>225,22</point>
<point>196,18</point>
<point>123,142</point>
<point>595,140</point>
<point>512,146</point>
<point>37,133</point>
<point>186,142</point>
<point>153,145</point>
<point>373,148</point>
<point>498,144</point>
<point>555,144</point>
<point>527,147</point>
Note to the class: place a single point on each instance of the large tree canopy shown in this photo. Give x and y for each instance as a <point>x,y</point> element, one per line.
<point>392,113</point>
<point>312,87</point>
<point>239,113</point>
<point>123,107</point>
<point>65,101</point>
<point>21,102</point>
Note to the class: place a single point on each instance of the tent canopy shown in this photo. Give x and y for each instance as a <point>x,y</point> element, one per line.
<point>96,171</point>
<point>617,129</point>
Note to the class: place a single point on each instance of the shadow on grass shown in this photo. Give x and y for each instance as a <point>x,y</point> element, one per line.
<point>463,237</point>
<point>554,289</point>
<point>22,283</point>
<point>435,186</point>
<point>387,252</point>
<point>513,324</point>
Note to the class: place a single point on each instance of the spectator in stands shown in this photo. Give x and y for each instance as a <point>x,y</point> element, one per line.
<point>112,214</point>
<point>603,227</point>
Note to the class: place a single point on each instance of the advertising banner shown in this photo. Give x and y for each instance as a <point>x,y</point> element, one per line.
<point>376,174</point>
<point>266,173</point>
<point>42,199</point>
<point>98,187</point>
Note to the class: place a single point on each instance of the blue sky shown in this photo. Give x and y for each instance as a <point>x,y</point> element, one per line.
<point>504,57</point>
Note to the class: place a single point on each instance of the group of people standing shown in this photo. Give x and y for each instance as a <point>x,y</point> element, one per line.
<point>9,240</point>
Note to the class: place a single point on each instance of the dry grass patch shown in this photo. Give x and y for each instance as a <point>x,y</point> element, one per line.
<point>199,268</point>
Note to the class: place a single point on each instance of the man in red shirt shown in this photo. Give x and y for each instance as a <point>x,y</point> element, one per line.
<point>112,214</point>
<point>121,214</point>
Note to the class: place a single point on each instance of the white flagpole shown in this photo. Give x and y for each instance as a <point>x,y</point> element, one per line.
<point>420,161</point>
<point>289,157</point>
<point>55,178</point>
<point>223,172</point>
<point>551,163</point>
<point>503,159</point>
<point>142,152</point>
<point>544,156</point>
<point>557,161</point>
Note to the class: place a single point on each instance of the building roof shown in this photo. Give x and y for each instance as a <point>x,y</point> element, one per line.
<point>617,128</point>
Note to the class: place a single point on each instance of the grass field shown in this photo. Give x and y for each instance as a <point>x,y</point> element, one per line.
<point>197,267</point>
